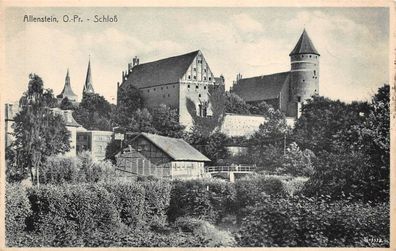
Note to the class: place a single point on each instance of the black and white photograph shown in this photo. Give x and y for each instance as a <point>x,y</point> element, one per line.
<point>197,124</point>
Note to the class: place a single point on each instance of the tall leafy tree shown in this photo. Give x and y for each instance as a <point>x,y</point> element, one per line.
<point>235,104</point>
<point>38,132</point>
<point>94,112</point>
<point>129,100</point>
<point>166,121</point>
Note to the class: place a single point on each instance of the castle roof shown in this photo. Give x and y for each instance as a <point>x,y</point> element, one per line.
<point>88,86</point>
<point>177,149</point>
<point>261,87</point>
<point>67,90</point>
<point>166,71</point>
<point>304,46</point>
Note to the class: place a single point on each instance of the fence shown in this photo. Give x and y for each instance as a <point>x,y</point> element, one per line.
<point>239,168</point>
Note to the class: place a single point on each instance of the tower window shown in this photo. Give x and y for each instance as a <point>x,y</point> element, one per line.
<point>210,78</point>
<point>199,95</point>
<point>314,72</point>
<point>196,87</point>
<point>188,86</point>
<point>189,77</point>
<point>195,69</point>
<point>195,77</point>
<point>204,87</point>
<point>204,70</point>
<point>310,56</point>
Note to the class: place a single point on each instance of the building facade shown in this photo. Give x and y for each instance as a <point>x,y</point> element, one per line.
<point>285,91</point>
<point>175,82</point>
<point>93,141</point>
<point>162,157</point>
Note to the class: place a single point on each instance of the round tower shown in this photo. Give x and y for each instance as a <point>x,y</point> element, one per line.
<point>304,73</point>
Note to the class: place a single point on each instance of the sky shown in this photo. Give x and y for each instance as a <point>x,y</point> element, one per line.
<point>353,44</point>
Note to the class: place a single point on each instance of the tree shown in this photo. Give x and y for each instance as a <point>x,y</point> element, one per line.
<point>94,112</point>
<point>267,144</point>
<point>328,125</point>
<point>129,100</point>
<point>38,132</point>
<point>166,121</point>
<point>261,109</point>
<point>66,104</point>
<point>141,121</point>
<point>235,104</point>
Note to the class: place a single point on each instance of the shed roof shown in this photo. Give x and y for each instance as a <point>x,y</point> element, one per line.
<point>164,71</point>
<point>261,87</point>
<point>177,149</point>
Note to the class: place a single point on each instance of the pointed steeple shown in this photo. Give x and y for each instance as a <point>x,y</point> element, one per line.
<point>304,45</point>
<point>67,90</point>
<point>88,87</point>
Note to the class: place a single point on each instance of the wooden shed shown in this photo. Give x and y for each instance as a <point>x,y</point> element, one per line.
<point>160,156</point>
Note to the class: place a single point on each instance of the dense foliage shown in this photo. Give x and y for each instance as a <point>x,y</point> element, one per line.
<point>94,112</point>
<point>306,222</point>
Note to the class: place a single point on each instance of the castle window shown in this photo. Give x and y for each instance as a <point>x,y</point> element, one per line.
<point>189,77</point>
<point>188,86</point>
<point>200,110</point>
<point>196,87</point>
<point>163,95</point>
<point>210,78</point>
<point>298,99</point>
<point>168,95</point>
<point>167,87</point>
<point>310,56</point>
<point>173,86</point>
<point>314,72</point>
<point>303,80</point>
<point>195,69</point>
<point>204,70</point>
<point>154,89</point>
<point>199,95</point>
<point>162,88</point>
<point>195,77</point>
<point>204,78</point>
<point>302,56</point>
<point>205,112</point>
<point>204,87</point>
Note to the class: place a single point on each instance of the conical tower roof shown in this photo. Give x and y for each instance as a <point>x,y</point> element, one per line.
<point>67,90</point>
<point>88,87</point>
<point>304,46</point>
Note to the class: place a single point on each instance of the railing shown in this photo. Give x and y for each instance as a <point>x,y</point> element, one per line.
<point>238,168</point>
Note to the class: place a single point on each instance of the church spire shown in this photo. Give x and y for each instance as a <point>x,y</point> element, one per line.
<point>304,45</point>
<point>88,87</point>
<point>67,91</point>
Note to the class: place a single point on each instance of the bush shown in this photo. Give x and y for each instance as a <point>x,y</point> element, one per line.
<point>129,202</point>
<point>60,169</point>
<point>304,222</point>
<point>294,186</point>
<point>252,188</point>
<point>95,171</point>
<point>68,215</point>
<point>205,199</point>
<point>16,211</point>
<point>210,235</point>
<point>157,201</point>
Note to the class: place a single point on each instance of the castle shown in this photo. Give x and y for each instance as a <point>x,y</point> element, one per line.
<point>285,91</point>
<point>175,80</point>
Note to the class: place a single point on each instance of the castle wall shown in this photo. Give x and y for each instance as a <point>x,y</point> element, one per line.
<point>235,125</point>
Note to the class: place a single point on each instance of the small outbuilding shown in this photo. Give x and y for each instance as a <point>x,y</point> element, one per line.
<point>162,157</point>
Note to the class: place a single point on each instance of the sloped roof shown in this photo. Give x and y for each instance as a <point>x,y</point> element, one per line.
<point>88,86</point>
<point>67,90</point>
<point>177,149</point>
<point>66,116</point>
<point>164,71</point>
<point>304,45</point>
<point>261,87</point>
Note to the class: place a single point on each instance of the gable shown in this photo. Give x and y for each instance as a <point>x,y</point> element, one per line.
<point>199,70</point>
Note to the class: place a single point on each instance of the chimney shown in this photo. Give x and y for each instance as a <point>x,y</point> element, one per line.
<point>135,61</point>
